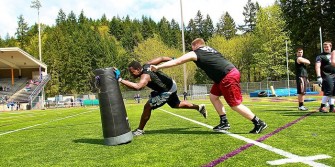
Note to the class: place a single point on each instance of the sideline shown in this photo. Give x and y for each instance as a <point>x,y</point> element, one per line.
<point>290,158</point>
<point>59,119</point>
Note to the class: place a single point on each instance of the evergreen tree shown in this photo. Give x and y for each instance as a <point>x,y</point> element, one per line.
<point>22,32</point>
<point>226,26</point>
<point>53,49</point>
<point>191,32</point>
<point>103,20</point>
<point>165,31</point>
<point>198,21</point>
<point>249,13</point>
<point>116,28</point>
<point>148,27</point>
<point>194,29</point>
<point>176,36</point>
<point>207,30</point>
<point>82,19</point>
<point>10,41</point>
<point>61,17</point>
<point>198,27</point>
<point>132,34</point>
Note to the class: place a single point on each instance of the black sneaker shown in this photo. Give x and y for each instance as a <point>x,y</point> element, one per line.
<point>202,110</point>
<point>259,127</point>
<point>222,126</point>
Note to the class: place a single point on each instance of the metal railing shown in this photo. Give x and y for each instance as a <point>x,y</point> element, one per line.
<point>39,88</point>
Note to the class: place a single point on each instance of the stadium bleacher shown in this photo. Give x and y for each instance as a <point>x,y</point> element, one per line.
<point>17,69</point>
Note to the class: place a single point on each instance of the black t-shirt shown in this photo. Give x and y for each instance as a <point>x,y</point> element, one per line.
<point>213,63</point>
<point>326,67</point>
<point>300,69</point>
<point>159,81</point>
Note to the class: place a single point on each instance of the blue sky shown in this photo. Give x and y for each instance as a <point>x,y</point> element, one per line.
<point>10,10</point>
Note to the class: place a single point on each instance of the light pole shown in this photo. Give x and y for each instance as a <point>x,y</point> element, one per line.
<point>183,40</point>
<point>321,47</point>
<point>320,30</point>
<point>288,74</point>
<point>37,5</point>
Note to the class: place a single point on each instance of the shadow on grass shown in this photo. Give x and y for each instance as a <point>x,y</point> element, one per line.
<point>278,110</point>
<point>90,141</point>
<point>180,131</point>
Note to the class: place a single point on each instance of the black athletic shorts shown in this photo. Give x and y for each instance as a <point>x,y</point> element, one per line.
<point>158,99</point>
<point>328,85</point>
<point>301,85</point>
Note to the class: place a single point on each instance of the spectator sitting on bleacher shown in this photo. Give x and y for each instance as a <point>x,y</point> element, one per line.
<point>27,88</point>
<point>36,82</point>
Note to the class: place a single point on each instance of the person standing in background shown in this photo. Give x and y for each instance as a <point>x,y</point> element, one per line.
<point>325,77</point>
<point>301,77</point>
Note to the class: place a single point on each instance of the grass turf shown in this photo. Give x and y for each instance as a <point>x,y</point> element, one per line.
<point>73,136</point>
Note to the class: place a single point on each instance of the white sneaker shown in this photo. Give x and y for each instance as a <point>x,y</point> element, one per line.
<point>202,110</point>
<point>138,132</point>
<point>302,108</point>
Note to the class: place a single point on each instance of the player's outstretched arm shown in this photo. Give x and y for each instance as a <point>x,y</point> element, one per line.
<point>159,60</point>
<point>190,56</point>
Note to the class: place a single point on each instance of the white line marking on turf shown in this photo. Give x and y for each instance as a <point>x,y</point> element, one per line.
<point>292,158</point>
<point>299,159</point>
<point>28,127</point>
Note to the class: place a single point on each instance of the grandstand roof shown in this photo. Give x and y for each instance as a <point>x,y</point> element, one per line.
<point>14,57</point>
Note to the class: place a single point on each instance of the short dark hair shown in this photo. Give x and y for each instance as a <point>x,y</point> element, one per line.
<point>135,64</point>
<point>328,43</point>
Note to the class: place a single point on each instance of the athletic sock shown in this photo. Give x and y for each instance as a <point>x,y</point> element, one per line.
<point>323,105</point>
<point>223,118</point>
<point>301,104</point>
<point>255,120</point>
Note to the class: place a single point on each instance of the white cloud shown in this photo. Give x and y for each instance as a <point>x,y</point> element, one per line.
<point>156,9</point>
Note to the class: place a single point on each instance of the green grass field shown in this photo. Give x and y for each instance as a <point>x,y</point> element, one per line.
<point>73,137</point>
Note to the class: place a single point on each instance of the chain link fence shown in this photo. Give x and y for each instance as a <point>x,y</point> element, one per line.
<point>193,92</point>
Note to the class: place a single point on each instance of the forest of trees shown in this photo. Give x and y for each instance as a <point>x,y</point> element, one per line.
<point>76,45</point>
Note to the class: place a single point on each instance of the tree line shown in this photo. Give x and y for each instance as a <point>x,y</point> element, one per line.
<point>77,45</point>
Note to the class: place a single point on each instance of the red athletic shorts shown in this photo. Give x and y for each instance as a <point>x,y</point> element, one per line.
<point>229,88</point>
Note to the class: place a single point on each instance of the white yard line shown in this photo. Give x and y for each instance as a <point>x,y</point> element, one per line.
<point>291,158</point>
<point>28,127</point>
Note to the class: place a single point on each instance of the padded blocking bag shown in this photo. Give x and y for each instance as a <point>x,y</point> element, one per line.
<point>115,125</point>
